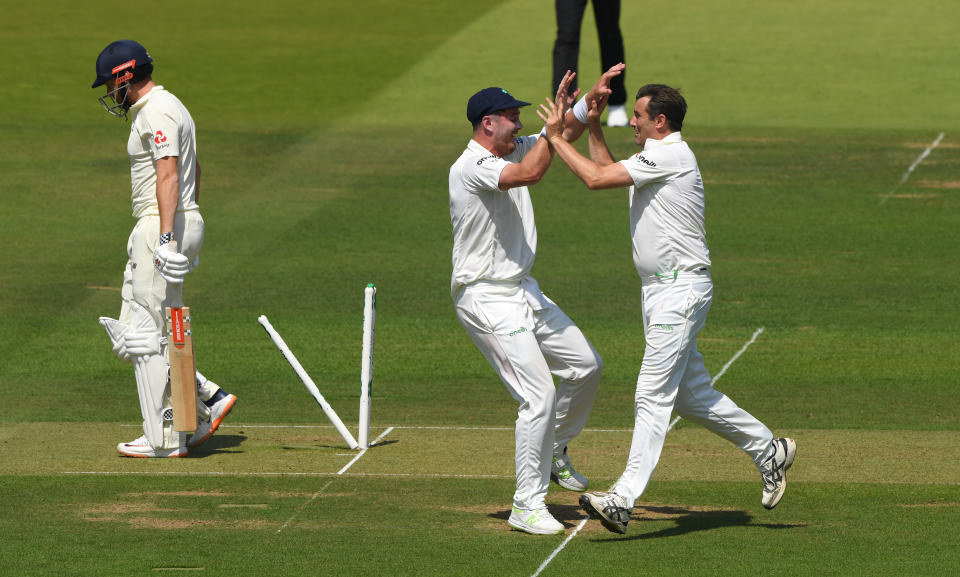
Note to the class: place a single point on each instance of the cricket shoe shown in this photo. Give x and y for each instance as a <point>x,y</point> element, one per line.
<point>562,473</point>
<point>610,508</point>
<point>774,471</point>
<point>219,405</point>
<point>537,521</point>
<point>617,115</point>
<point>141,448</point>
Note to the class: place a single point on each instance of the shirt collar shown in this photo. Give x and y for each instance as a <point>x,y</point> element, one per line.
<point>477,147</point>
<point>672,138</point>
<point>143,101</point>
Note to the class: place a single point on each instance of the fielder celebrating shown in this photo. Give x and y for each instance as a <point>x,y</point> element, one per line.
<point>521,332</point>
<point>671,256</point>
<point>165,179</point>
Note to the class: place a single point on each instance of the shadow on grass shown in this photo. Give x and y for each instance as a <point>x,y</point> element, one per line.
<point>218,444</point>
<point>687,520</point>
<point>332,446</point>
<point>690,521</point>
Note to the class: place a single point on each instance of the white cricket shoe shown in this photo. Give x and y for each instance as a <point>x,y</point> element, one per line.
<point>774,471</point>
<point>141,448</point>
<point>536,521</point>
<point>562,473</point>
<point>617,115</point>
<point>610,508</point>
<point>220,405</point>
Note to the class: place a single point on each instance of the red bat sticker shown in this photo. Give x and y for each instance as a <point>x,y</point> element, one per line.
<point>176,320</point>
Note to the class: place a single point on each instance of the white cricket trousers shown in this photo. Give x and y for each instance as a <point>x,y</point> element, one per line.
<point>141,280</point>
<point>142,283</point>
<point>673,376</point>
<point>528,343</point>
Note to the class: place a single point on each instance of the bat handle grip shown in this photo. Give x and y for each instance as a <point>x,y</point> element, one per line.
<point>175,290</point>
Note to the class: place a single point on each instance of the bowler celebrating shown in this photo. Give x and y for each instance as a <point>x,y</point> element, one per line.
<point>667,210</point>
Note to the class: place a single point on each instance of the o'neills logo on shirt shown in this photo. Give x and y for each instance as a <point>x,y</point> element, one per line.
<point>645,161</point>
<point>481,161</point>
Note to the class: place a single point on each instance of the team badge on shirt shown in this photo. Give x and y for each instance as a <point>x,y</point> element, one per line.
<point>640,158</point>
<point>160,139</point>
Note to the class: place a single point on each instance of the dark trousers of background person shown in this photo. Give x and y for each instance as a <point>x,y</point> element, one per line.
<point>566,49</point>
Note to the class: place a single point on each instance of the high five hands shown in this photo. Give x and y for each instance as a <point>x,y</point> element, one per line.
<point>597,96</point>
<point>553,112</point>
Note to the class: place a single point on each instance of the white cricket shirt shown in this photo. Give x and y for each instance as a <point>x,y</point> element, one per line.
<point>161,127</point>
<point>667,208</point>
<point>494,234</point>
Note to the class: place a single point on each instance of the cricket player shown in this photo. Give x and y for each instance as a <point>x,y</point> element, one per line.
<point>521,332</point>
<point>165,179</point>
<point>670,254</point>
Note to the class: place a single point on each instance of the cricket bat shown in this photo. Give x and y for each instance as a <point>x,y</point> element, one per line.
<point>183,385</point>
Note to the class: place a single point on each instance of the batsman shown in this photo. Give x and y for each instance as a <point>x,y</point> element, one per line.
<point>163,247</point>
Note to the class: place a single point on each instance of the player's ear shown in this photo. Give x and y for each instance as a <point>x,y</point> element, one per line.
<point>489,122</point>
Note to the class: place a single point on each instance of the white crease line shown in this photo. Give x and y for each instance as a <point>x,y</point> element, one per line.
<point>396,427</point>
<point>909,171</point>
<point>724,369</point>
<point>562,545</point>
<point>567,540</point>
<point>304,506</point>
<point>364,451</point>
<point>280,474</point>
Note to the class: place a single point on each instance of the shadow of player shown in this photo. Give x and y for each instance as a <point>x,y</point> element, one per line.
<point>689,521</point>
<point>218,444</point>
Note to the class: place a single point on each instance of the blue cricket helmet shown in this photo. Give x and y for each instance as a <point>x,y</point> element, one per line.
<point>121,60</point>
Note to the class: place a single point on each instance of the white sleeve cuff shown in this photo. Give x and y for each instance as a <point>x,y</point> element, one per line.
<point>580,110</point>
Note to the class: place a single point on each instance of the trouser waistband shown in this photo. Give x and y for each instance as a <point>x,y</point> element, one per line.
<point>666,277</point>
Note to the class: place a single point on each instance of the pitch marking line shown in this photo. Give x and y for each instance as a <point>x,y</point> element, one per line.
<point>724,369</point>
<point>340,472</point>
<point>909,171</point>
<point>268,474</point>
<point>560,548</point>
<point>304,506</point>
<point>364,451</point>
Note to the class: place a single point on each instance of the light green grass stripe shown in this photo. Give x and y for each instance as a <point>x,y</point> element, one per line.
<point>690,454</point>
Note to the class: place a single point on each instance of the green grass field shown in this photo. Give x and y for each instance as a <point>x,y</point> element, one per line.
<point>326,132</point>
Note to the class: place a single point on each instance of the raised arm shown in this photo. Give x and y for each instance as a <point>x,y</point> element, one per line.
<point>536,162</point>
<point>594,175</point>
<point>529,170</point>
<point>599,152</point>
<point>599,93</point>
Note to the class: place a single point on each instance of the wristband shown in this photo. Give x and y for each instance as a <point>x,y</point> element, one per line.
<point>580,110</point>
<point>165,238</point>
<point>544,131</point>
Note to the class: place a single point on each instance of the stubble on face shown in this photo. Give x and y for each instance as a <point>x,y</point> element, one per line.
<point>641,122</point>
<point>508,126</point>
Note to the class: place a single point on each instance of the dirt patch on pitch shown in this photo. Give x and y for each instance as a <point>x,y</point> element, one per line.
<point>181,524</point>
<point>304,494</point>
<point>924,145</point>
<point>918,196</point>
<point>939,184</point>
<point>112,511</point>
<point>198,493</point>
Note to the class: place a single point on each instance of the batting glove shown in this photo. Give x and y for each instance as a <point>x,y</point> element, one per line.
<point>172,266</point>
<point>142,343</point>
